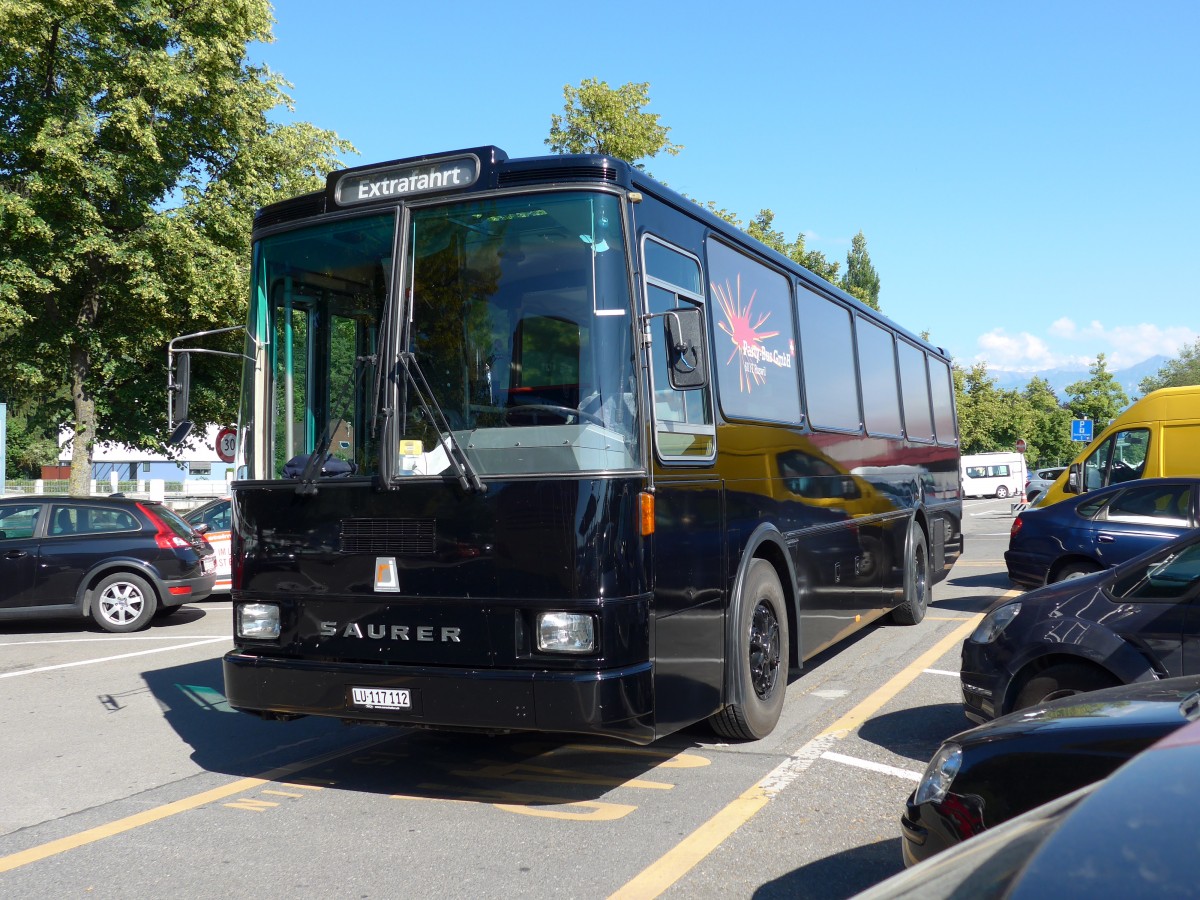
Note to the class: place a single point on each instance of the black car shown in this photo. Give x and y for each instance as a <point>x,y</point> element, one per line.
<point>997,771</point>
<point>1136,622</point>
<point>1099,529</point>
<point>119,560</point>
<point>1132,834</point>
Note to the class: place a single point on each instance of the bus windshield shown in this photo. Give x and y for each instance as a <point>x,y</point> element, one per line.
<point>516,334</point>
<point>518,317</point>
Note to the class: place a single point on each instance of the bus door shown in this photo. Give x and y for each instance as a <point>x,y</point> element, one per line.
<point>689,551</point>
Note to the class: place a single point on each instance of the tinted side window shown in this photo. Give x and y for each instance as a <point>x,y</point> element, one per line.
<point>18,521</point>
<point>877,371</point>
<point>918,419</point>
<point>830,378</point>
<point>754,351</point>
<point>942,385</point>
<point>95,520</point>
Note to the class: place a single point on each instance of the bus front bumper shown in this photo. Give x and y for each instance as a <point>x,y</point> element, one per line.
<point>615,703</point>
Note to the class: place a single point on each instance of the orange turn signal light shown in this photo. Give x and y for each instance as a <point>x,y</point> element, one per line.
<point>646,512</point>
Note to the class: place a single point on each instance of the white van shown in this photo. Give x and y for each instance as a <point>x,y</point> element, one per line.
<point>1000,474</point>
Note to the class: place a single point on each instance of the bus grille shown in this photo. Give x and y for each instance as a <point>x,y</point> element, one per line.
<point>404,537</point>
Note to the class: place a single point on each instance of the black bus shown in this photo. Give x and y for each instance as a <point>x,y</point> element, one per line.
<point>539,444</point>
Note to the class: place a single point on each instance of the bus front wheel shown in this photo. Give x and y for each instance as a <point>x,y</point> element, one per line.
<point>764,647</point>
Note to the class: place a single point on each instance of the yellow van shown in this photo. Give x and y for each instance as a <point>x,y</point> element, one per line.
<point>1159,436</point>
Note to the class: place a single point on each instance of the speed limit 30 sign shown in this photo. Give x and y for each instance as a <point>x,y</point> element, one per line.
<point>226,444</point>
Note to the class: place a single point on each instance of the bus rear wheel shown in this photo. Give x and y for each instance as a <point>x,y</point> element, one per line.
<point>764,648</point>
<point>918,590</point>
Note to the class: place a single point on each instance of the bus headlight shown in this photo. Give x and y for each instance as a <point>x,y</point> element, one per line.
<point>561,632</point>
<point>258,621</point>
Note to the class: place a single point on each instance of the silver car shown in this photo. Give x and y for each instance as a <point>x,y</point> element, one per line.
<point>1039,481</point>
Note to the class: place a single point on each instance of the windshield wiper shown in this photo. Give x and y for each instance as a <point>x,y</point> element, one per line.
<point>468,478</point>
<point>320,455</point>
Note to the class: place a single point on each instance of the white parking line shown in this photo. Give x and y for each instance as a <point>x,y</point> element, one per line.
<point>88,662</point>
<point>872,766</point>
<point>112,637</point>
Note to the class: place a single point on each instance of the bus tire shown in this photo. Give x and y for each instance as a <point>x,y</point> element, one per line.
<point>764,647</point>
<point>918,589</point>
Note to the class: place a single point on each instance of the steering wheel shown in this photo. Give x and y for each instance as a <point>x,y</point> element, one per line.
<point>568,413</point>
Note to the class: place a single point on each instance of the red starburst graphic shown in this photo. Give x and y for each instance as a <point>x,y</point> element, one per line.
<point>742,333</point>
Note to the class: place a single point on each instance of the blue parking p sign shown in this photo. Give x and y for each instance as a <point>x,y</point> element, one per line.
<point>1081,430</point>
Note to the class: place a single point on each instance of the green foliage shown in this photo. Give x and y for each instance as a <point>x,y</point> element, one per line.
<point>990,418</point>
<point>600,119</point>
<point>134,149</point>
<point>1183,370</point>
<point>861,279</point>
<point>1099,397</point>
<point>762,229</point>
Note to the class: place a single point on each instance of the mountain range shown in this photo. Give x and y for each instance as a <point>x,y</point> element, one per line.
<point>1129,378</point>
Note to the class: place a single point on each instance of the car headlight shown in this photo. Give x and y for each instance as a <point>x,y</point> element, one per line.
<point>258,621</point>
<point>995,622</point>
<point>940,772</point>
<point>562,632</point>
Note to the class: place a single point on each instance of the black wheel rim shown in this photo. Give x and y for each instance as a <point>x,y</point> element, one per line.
<point>764,650</point>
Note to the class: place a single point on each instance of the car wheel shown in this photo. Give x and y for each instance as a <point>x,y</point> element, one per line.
<point>917,587</point>
<point>764,647</point>
<point>1062,680</point>
<point>1001,492</point>
<point>1075,570</point>
<point>123,602</point>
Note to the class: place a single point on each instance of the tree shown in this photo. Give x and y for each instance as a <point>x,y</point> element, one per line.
<point>1099,397</point>
<point>1049,436</point>
<point>1184,369</point>
<point>988,418</point>
<point>814,260</point>
<point>861,279</point>
<point>600,119</point>
<point>134,148</point>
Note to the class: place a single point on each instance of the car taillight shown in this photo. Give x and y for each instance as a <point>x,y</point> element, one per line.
<point>1016,526</point>
<point>164,537</point>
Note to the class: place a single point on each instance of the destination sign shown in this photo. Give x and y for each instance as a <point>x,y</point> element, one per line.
<point>405,181</point>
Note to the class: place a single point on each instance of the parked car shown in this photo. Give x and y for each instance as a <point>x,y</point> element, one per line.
<point>1099,529</point>
<point>1135,622</point>
<point>1132,834</point>
<point>1039,480</point>
<point>215,521</point>
<point>997,771</point>
<point>120,561</point>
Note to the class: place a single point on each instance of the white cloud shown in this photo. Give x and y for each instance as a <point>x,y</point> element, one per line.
<point>1073,345</point>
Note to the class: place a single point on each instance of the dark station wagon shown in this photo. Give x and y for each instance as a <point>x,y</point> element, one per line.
<point>119,560</point>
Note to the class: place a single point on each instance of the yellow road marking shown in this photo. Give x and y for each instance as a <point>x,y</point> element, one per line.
<point>99,833</point>
<point>681,858</point>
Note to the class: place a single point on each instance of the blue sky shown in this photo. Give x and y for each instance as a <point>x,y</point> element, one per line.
<point>1025,175</point>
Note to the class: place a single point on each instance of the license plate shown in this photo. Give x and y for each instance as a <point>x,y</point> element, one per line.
<point>381,698</point>
<point>208,564</point>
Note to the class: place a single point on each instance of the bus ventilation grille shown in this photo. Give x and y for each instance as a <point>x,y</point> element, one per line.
<point>403,537</point>
<point>298,208</point>
<point>557,173</point>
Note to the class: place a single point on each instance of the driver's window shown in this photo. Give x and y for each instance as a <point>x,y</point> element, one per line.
<point>1122,457</point>
<point>683,419</point>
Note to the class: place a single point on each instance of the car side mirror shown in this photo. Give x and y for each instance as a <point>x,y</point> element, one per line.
<point>1074,479</point>
<point>683,331</point>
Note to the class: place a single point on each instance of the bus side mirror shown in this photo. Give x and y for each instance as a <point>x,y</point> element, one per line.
<point>1071,486</point>
<point>179,387</point>
<point>683,331</point>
